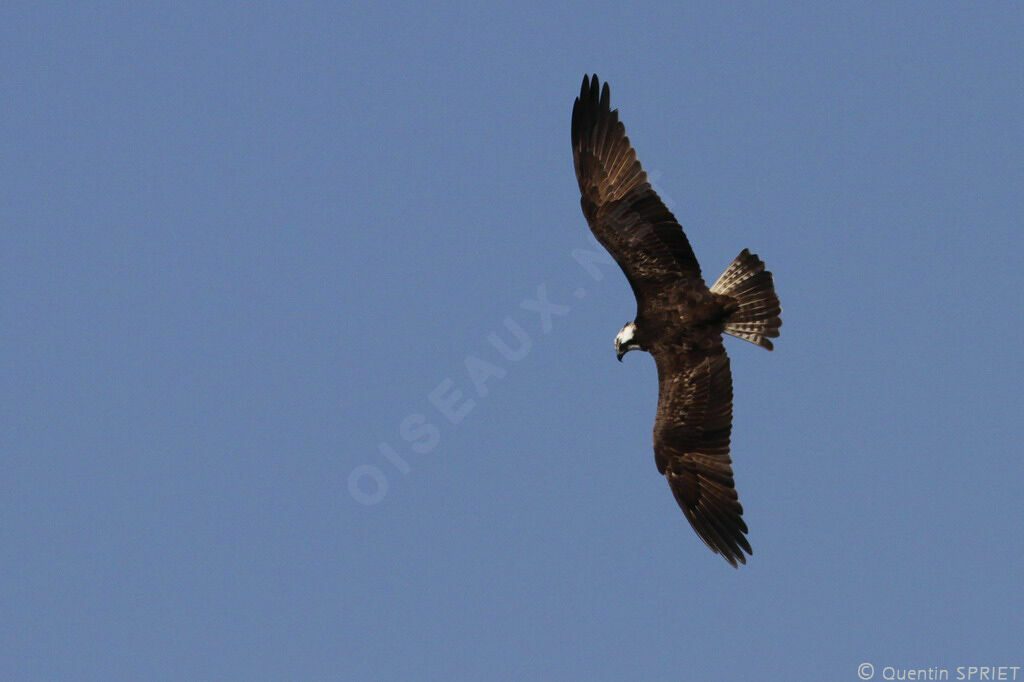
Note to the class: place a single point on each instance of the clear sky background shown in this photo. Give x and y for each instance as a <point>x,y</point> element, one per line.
<point>243,245</point>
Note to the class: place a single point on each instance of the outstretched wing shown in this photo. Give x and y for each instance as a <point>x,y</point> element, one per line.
<point>691,447</point>
<point>624,213</point>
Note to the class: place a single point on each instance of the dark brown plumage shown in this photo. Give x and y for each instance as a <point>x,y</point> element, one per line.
<point>679,320</point>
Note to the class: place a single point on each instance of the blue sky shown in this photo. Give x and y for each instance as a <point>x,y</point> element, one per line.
<point>244,245</point>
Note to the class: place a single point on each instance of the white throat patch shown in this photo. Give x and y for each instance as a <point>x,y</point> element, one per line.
<point>625,335</point>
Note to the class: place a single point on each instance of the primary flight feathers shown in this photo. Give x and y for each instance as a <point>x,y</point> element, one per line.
<point>679,320</point>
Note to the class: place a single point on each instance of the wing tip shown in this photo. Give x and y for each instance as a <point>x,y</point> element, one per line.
<point>592,109</point>
<point>721,528</point>
<point>593,92</point>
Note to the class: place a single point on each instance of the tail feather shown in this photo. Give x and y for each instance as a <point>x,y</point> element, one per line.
<point>756,318</point>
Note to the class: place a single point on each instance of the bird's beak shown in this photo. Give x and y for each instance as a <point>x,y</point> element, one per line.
<point>620,354</point>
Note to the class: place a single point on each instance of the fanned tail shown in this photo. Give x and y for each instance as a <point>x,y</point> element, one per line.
<point>756,318</point>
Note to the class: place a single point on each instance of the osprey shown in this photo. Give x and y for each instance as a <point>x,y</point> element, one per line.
<point>679,320</point>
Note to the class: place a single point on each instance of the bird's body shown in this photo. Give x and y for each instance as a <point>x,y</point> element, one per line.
<point>679,320</point>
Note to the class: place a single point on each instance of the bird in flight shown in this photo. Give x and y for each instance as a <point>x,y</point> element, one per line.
<point>679,320</point>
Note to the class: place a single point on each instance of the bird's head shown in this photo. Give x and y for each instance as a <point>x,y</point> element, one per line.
<point>626,341</point>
